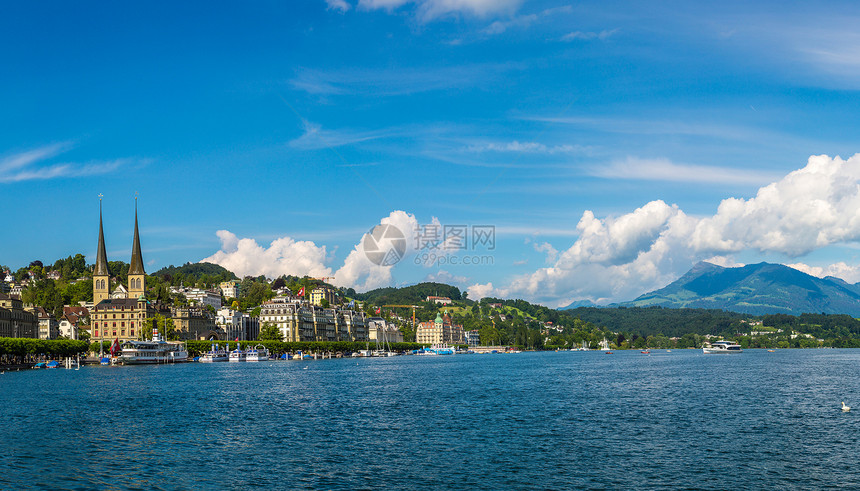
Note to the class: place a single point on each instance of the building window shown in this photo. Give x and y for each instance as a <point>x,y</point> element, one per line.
<point>97,333</point>
<point>132,332</point>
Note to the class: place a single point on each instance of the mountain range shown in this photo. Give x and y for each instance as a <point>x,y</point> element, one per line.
<point>757,289</point>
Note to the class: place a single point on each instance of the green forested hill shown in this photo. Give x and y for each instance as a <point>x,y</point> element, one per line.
<point>409,294</point>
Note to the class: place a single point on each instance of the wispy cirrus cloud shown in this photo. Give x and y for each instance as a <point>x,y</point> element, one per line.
<point>429,10</point>
<point>35,165</point>
<point>666,170</point>
<point>588,35</point>
<point>315,137</point>
<point>525,21</point>
<point>526,147</point>
<point>400,81</point>
<point>339,5</point>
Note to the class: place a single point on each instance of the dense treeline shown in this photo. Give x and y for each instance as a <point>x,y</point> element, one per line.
<point>653,321</point>
<point>16,351</point>
<point>408,294</point>
<point>207,275</point>
<point>195,348</point>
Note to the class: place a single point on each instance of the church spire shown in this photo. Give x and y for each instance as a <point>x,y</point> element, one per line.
<point>136,266</point>
<point>101,268</point>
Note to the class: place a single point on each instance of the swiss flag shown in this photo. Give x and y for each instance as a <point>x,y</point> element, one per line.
<point>378,310</point>
<point>302,292</point>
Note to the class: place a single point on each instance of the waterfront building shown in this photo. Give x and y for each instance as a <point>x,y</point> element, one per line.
<point>119,318</point>
<point>473,338</point>
<point>229,322</point>
<point>197,296</point>
<point>251,327</point>
<point>230,289</point>
<point>378,329</point>
<point>299,321</point>
<point>440,331</point>
<point>355,324</point>
<point>49,327</point>
<point>15,322</point>
<point>194,323</point>
<point>323,293</point>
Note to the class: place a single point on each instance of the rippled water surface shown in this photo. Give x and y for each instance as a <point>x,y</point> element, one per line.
<point>754,420</point>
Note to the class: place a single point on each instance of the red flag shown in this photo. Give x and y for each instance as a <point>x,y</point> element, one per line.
<point>302,292</point>
<point>378,310</point>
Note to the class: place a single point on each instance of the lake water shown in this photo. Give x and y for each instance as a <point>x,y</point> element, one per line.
<point>755,420</point>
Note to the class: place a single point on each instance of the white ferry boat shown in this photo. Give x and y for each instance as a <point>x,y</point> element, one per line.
<point>257,353</point>
<point>155,351</point>
<point>214,355</point>
<point>722,347</point>
<point>238,355</point>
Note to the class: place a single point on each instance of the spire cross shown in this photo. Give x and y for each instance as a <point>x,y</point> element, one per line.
<point>100,196</point>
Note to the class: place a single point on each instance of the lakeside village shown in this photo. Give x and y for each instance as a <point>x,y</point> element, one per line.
<point>87,312</point>
<point>309,323</point>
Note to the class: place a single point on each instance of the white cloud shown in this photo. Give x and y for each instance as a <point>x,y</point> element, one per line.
<point>588,36</point>
<point>315,138</point>
<point>398,81</point>
<point>359,272</point>
<point>548,249</point>
<point>619,258</point>
<point>842,270</point>
<point>30,165</point>
<point>443,276</point>
<point>526,147</point>
<point>524,21</point>
<point>339,5</point>
<point>665,170</point>
<point>428,10</point>
<point>283,256</point>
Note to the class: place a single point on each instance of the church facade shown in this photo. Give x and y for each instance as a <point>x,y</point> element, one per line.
<point>114,317</point>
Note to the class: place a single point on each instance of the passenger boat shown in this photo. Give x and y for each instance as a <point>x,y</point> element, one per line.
<point>257,353</point>
<point>722,347</point>
<point>214,355</point>
<point>155,351</point>
<point>237,355</point>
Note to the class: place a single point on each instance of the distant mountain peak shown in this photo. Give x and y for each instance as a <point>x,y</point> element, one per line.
<point>761,288</point>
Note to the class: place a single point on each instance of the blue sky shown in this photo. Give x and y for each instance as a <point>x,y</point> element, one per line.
<point>611,145</point>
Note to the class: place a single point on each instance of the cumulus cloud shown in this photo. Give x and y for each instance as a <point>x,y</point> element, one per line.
<point>246,257</point>
<point>359,271</point>
<point>619,258</point>
<point>397,238</point>
<point>842,270</point>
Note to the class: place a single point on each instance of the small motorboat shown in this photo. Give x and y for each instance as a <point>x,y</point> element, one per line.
<point>610,353</point>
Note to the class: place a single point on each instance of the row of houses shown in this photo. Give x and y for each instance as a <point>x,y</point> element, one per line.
<point>299,321</point>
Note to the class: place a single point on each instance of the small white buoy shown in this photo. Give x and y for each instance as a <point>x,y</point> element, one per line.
<point>845,408</point>
<point>305,368</point>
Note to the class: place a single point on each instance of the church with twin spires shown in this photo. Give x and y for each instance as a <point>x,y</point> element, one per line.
<point>120,316</point>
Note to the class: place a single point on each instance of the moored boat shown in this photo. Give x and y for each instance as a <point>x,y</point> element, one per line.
<point>257,353</point>
<point>238,355</point>
<point>215,354</point>
<point>718,347</point>
<point>151,352</point>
